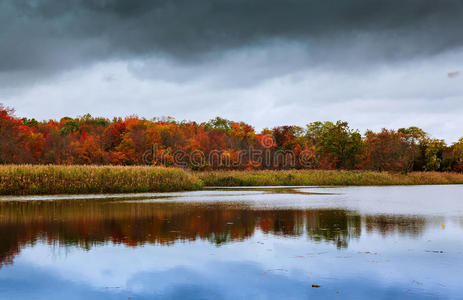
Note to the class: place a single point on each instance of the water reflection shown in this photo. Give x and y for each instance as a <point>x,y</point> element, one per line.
<point>359,243</point>
<point>87,223</point>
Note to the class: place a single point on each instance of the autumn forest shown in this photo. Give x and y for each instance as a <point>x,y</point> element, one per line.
<point>220,144</point>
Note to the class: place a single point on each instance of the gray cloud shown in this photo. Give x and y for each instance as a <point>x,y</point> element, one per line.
<point>55,35</point>
<point>374,63</point>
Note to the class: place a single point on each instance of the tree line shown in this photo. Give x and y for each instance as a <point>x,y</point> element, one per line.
<point>126,141</point>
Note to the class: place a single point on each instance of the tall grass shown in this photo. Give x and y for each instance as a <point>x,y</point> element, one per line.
<point>318,177</point>
<point>52,179</point>
<point>28,179</point>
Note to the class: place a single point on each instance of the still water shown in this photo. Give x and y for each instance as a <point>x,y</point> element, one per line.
<point>247,243</point>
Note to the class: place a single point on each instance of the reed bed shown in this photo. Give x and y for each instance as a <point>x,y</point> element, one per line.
<point>324,178</point>
<point>52,179</point>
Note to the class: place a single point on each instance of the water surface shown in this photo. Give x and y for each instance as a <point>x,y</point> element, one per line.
<point>240,243</point>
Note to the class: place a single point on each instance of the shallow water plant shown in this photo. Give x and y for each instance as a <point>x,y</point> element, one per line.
<point>320,177</point>
<point>52,179</point>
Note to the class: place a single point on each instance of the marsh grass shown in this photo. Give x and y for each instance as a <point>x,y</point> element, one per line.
<point>51,179</point>
<point>318,177</point>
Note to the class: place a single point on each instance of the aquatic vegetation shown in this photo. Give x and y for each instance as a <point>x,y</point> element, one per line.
<point>49,179</point>
<point>52,179</point>
<point>320,177</point>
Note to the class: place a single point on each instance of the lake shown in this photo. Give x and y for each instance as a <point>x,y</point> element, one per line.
<point>235,243</point>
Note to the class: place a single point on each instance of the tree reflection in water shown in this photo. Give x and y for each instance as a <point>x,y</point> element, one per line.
<point>88,223</point>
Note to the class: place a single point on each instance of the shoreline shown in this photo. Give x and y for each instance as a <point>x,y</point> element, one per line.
<point>80,179</point>
<point>325,178</point>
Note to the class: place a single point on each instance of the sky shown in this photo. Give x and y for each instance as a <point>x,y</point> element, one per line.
<point>372,63</point>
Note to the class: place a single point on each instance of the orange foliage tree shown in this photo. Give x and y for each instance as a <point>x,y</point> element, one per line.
<point>220,144</point>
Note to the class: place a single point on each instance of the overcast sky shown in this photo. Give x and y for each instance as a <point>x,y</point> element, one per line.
<point>373,63</point>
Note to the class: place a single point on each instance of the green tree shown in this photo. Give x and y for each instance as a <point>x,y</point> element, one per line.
<point>338,145</point>
<point>219,123</point>
<point>416,141</point>
<point>457,156</point>
<point>433,154</point>
<point>69,125</point>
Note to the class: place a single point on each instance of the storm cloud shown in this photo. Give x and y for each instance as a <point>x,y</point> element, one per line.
<point>58,34</point>
<point>373,63</point>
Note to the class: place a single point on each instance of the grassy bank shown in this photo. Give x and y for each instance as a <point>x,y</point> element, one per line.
<point>317,177</point>
<point>27,179</point>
